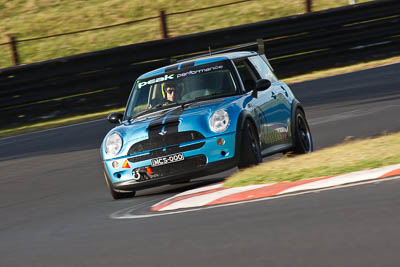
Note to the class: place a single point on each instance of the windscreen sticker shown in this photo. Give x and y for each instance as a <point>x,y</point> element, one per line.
<point>194,72</point>
<point>173,76</point>
<point>166,77</point>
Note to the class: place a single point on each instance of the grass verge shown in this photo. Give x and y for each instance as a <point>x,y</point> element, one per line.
<point>33,18</point>
<point>348,157</point>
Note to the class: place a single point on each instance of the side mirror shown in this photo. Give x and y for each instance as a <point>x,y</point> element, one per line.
<point>115,118</point>
<point>262,84</point>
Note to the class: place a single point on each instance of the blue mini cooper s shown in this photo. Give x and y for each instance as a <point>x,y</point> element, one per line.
<point>198,117</point>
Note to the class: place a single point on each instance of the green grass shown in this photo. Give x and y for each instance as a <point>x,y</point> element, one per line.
<point>347,157</point>
<point>33,18</point>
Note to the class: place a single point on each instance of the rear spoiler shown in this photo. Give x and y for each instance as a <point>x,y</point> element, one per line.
<point>259,44</point>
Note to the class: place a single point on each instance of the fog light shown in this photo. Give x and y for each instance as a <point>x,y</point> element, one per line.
<point>221,141</point>
<point>115,164</point>
<point>149,171</point>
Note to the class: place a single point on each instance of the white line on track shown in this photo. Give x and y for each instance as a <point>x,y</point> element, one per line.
<point>349,114</point>
<point>369,45</point>
<point>51,129</point>
<point>127,212</point>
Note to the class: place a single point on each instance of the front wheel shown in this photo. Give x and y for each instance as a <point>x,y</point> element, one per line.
<point>303,139</point>
<point>117,194</point>
<point>250,152</point>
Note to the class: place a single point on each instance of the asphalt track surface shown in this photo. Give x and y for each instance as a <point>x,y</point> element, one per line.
<point>55,209</point>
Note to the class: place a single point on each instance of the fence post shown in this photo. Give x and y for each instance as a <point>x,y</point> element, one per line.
<point>308,5</point>
<point>13,49</point>
<point>163,24</point>
<point>261,48</point>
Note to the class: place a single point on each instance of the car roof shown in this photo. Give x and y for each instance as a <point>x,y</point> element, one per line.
<point>199,61</point>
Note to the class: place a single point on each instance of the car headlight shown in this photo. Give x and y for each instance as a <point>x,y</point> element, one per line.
<point>219,121</point>
<point>113,144</point>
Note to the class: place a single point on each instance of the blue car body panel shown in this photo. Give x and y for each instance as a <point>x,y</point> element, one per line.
<point>191,118</point>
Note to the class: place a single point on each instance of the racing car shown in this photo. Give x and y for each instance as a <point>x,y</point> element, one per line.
<point>201,116</point>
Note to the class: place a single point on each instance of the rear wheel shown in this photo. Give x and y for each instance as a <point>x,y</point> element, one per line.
<point>118,194</point>
<point>250,152</point>
<point>303,138</point>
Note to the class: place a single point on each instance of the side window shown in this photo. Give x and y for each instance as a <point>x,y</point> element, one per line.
<point>142,100</point>
<point>262,68</point>
<point>246,74</point>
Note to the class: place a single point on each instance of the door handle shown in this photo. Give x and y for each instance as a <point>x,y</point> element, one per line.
<point>273,95</point>
<point>286,93</point>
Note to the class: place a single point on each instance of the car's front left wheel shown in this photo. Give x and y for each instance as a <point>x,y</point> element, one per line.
<point>118,194</point>
<point>250,152</point>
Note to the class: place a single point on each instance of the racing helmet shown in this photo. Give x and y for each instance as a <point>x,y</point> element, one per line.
<point>166,85</point>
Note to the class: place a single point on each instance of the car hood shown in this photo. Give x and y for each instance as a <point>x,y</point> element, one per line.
<point>172,126</point>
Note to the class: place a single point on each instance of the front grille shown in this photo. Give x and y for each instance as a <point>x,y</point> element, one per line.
<point>168,151</point>
<point>169,139</point>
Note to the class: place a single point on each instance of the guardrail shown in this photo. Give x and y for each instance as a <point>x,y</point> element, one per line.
<point>102,80</point>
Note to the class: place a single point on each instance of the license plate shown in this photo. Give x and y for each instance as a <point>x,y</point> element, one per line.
<point>167,159</point>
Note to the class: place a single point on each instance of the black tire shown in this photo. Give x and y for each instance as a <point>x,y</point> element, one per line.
<point>250,152</point>
<point>118,194</point>
<point>303,138</point>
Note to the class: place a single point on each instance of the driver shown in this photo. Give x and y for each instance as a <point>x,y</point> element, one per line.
<point>170,91</point>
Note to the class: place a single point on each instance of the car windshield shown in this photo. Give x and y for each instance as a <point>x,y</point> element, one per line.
<point>182,86</point>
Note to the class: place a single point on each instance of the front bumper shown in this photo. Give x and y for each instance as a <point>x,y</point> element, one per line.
<point>202,157</point>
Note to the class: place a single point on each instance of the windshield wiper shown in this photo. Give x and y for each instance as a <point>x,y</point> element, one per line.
<point>157,106</point>
<point>144,112</point>
<point>161,105</point>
